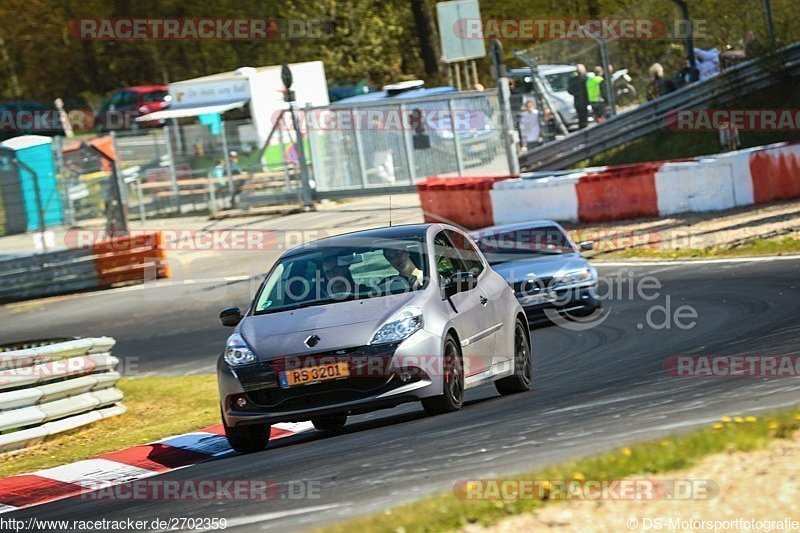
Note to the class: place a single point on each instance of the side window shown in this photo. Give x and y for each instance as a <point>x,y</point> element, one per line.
<point>466,249</point>
<point>154,96</point>
<point>129,98</point>
<point>448,262</point>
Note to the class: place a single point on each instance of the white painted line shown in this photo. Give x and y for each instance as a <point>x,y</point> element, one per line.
<point>95,473</point>
<point>684,262</point>
<point>266,517</point>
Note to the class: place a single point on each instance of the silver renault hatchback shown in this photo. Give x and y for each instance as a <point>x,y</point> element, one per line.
<point>369,320</point>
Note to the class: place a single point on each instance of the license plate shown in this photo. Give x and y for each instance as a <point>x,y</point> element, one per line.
<point>313,374</point>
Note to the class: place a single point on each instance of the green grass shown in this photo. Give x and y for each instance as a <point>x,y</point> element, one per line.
<point>669,144</point>
<point>157,407</point>
<point>755,247</point>
<point>445,512</point>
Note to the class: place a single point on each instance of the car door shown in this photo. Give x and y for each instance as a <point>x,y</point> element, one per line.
<point>491,287</point>
<point>466,310</point>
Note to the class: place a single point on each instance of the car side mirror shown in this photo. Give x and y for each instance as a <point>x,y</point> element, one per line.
<point>460,282</point>
<point>585,246</point>
<point>230,317</point>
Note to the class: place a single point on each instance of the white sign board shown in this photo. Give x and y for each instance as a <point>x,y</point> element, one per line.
<point>197,93</point>
<point>460,30</point>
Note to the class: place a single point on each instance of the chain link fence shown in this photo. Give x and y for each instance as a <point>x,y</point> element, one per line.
<point>394,144</point>
<point>198,167</point>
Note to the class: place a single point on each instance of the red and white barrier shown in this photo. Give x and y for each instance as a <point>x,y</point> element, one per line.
<point>114,468</point>
<point>643,190</point>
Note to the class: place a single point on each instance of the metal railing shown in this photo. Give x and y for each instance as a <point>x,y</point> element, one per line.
<point>738,81</point>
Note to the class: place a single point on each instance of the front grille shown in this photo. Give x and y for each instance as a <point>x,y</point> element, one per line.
<point>318,394</point>
<point>533,285</point>
<point>369,367</point>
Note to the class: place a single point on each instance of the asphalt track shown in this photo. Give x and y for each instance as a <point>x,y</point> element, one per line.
<point>595,389</point>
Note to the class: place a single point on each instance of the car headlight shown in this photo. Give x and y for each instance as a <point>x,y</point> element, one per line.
<point>399,327</point>
<point>237,353</point>
<point>576,276</point>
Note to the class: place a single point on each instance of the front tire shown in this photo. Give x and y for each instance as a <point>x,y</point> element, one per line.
<point>520,381</point>
<point>330,424</point>
<point>452,397</point>
<point>247,439</point>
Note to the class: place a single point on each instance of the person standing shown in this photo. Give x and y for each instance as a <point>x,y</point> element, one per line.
<point>549,125</point>
<point>595,87</point>
<point>707,62</point>
<point>659,86</point>
<point>577,88</point>
<point>529,126</point>
<point>686,75</point>
<point>752,46</point>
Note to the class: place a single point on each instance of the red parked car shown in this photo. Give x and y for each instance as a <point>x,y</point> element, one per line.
<point>119,111</point>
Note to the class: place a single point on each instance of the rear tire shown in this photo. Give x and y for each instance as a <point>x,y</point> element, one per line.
<point>452,397</point>
<point>247,439</point>
<point>330,424</point>
<point>523,372</point>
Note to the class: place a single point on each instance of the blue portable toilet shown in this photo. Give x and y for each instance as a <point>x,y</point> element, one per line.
<point>25,162</point>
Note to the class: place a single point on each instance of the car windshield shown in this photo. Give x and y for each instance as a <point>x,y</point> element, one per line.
<point>559,81</point>
<point>509,245</point>
<point>331,274</point>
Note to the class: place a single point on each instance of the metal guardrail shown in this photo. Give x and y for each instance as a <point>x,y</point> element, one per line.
<point>740,80</point>
<point>57,387</point>
<point>103,264</point>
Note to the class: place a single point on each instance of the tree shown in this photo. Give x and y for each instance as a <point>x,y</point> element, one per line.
<point>426,33</point>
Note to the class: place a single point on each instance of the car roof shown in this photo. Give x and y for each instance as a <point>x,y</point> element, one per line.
<point>383,96</point>
<point>403,231</point>
<point>145,88</point>
<point>544,69</point>
<point>533,224</point>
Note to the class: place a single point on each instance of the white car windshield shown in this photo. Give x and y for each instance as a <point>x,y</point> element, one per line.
<point>332,274</point>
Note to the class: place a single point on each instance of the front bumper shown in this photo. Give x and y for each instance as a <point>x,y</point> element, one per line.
<point>380,376</point>
<point>563,299</point>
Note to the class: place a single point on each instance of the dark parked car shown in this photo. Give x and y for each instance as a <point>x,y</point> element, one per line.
<point>119,111</point>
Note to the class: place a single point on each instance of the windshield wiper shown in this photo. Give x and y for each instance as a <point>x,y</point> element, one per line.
<point>303,305</point>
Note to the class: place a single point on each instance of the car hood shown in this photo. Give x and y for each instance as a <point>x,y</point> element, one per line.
<point>341,325</point>
<point>544,266</point>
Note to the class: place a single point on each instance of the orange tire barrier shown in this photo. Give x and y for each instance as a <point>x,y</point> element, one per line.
<point>462,201</point>
<point>130,258</point>
<point>775,175</point>
<point>618,193</point>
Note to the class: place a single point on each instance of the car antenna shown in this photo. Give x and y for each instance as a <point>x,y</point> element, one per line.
<point>390,210</point>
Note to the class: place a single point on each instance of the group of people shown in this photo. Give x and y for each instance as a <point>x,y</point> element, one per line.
<point>708,63</point>
<point>221,170</point>
<point>588,91</point>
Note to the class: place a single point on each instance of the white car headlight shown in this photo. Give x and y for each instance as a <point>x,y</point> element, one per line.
<point>237,353</point>
<point>399,327</point>
<point>576,276</point>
